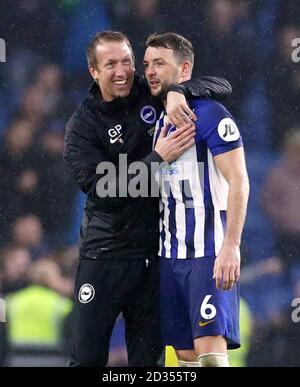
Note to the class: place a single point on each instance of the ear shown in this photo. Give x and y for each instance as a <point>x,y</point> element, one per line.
<point>186,69</point>
<point>93,72</point>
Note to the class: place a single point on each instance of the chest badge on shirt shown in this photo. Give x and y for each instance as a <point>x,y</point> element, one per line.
<point>115,134</point>
<point>228,130</point>
<point>148,114</point>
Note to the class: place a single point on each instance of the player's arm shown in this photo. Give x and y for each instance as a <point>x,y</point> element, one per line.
<point>233,168</point>
<point>178,111</point>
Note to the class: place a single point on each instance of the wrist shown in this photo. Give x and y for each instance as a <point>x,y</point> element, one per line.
<point>231,243</point>
<point>164,157</point>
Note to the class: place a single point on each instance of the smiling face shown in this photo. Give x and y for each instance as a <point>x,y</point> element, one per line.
<point>162,70</point>
<point>115,69</point>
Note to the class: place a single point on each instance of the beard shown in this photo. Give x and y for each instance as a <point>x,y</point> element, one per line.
<point>163,92</point>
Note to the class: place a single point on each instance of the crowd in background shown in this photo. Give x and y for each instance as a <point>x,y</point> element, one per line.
<point>44,79</point>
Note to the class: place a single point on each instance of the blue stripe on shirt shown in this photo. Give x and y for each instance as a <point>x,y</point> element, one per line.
<point>161,124</point>
<point>209,225</point>
<point>172,225</point>
<point>223,216</point>
<point>163,236</point>
<point>190,220</point>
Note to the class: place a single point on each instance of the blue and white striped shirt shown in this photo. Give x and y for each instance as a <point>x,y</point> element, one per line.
<point>193,191</point>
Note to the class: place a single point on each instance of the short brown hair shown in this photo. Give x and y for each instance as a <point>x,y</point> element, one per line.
<point>182,48</point>
<point>104,36</point>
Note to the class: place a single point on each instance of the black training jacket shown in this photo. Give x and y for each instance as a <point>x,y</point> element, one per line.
<point>99,131</point>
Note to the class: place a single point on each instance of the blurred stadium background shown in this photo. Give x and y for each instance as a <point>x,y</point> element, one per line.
<point>43,80</point>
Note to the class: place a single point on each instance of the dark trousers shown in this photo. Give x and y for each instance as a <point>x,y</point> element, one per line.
<point>103,289</point>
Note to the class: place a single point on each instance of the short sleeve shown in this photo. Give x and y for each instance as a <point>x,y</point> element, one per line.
<point>216,127</point>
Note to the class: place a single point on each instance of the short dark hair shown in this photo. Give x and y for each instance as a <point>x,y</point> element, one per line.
<point>104,36</point>
<point>182,48</point>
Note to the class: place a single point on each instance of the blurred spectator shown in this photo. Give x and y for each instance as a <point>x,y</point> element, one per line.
<point>34,178</point>
<point>184,17</point>
<point>43,98</point>
<point>68,261</point>
<point>269,266</point>
<point>49,79</point>
<point>289,12</point>
<point>33,26</point>
<point>142,19</point>
<point>56,190</point>
<point>283,81</point>
<point>36,314</point>
<point>19,136</point>
<point>48,273</point>
<point>53,276</point>
<point>19,177</point>
<point>14,265</point>
<point>218,51</point>
<point>3,345</point>
<point>28,232</point>
<point>277,344</point>
<point>281,200</point>
<point>34,33</point>
<point>213,27</point>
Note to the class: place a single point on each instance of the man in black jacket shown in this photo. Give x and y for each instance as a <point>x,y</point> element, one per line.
<point>118,271</point>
